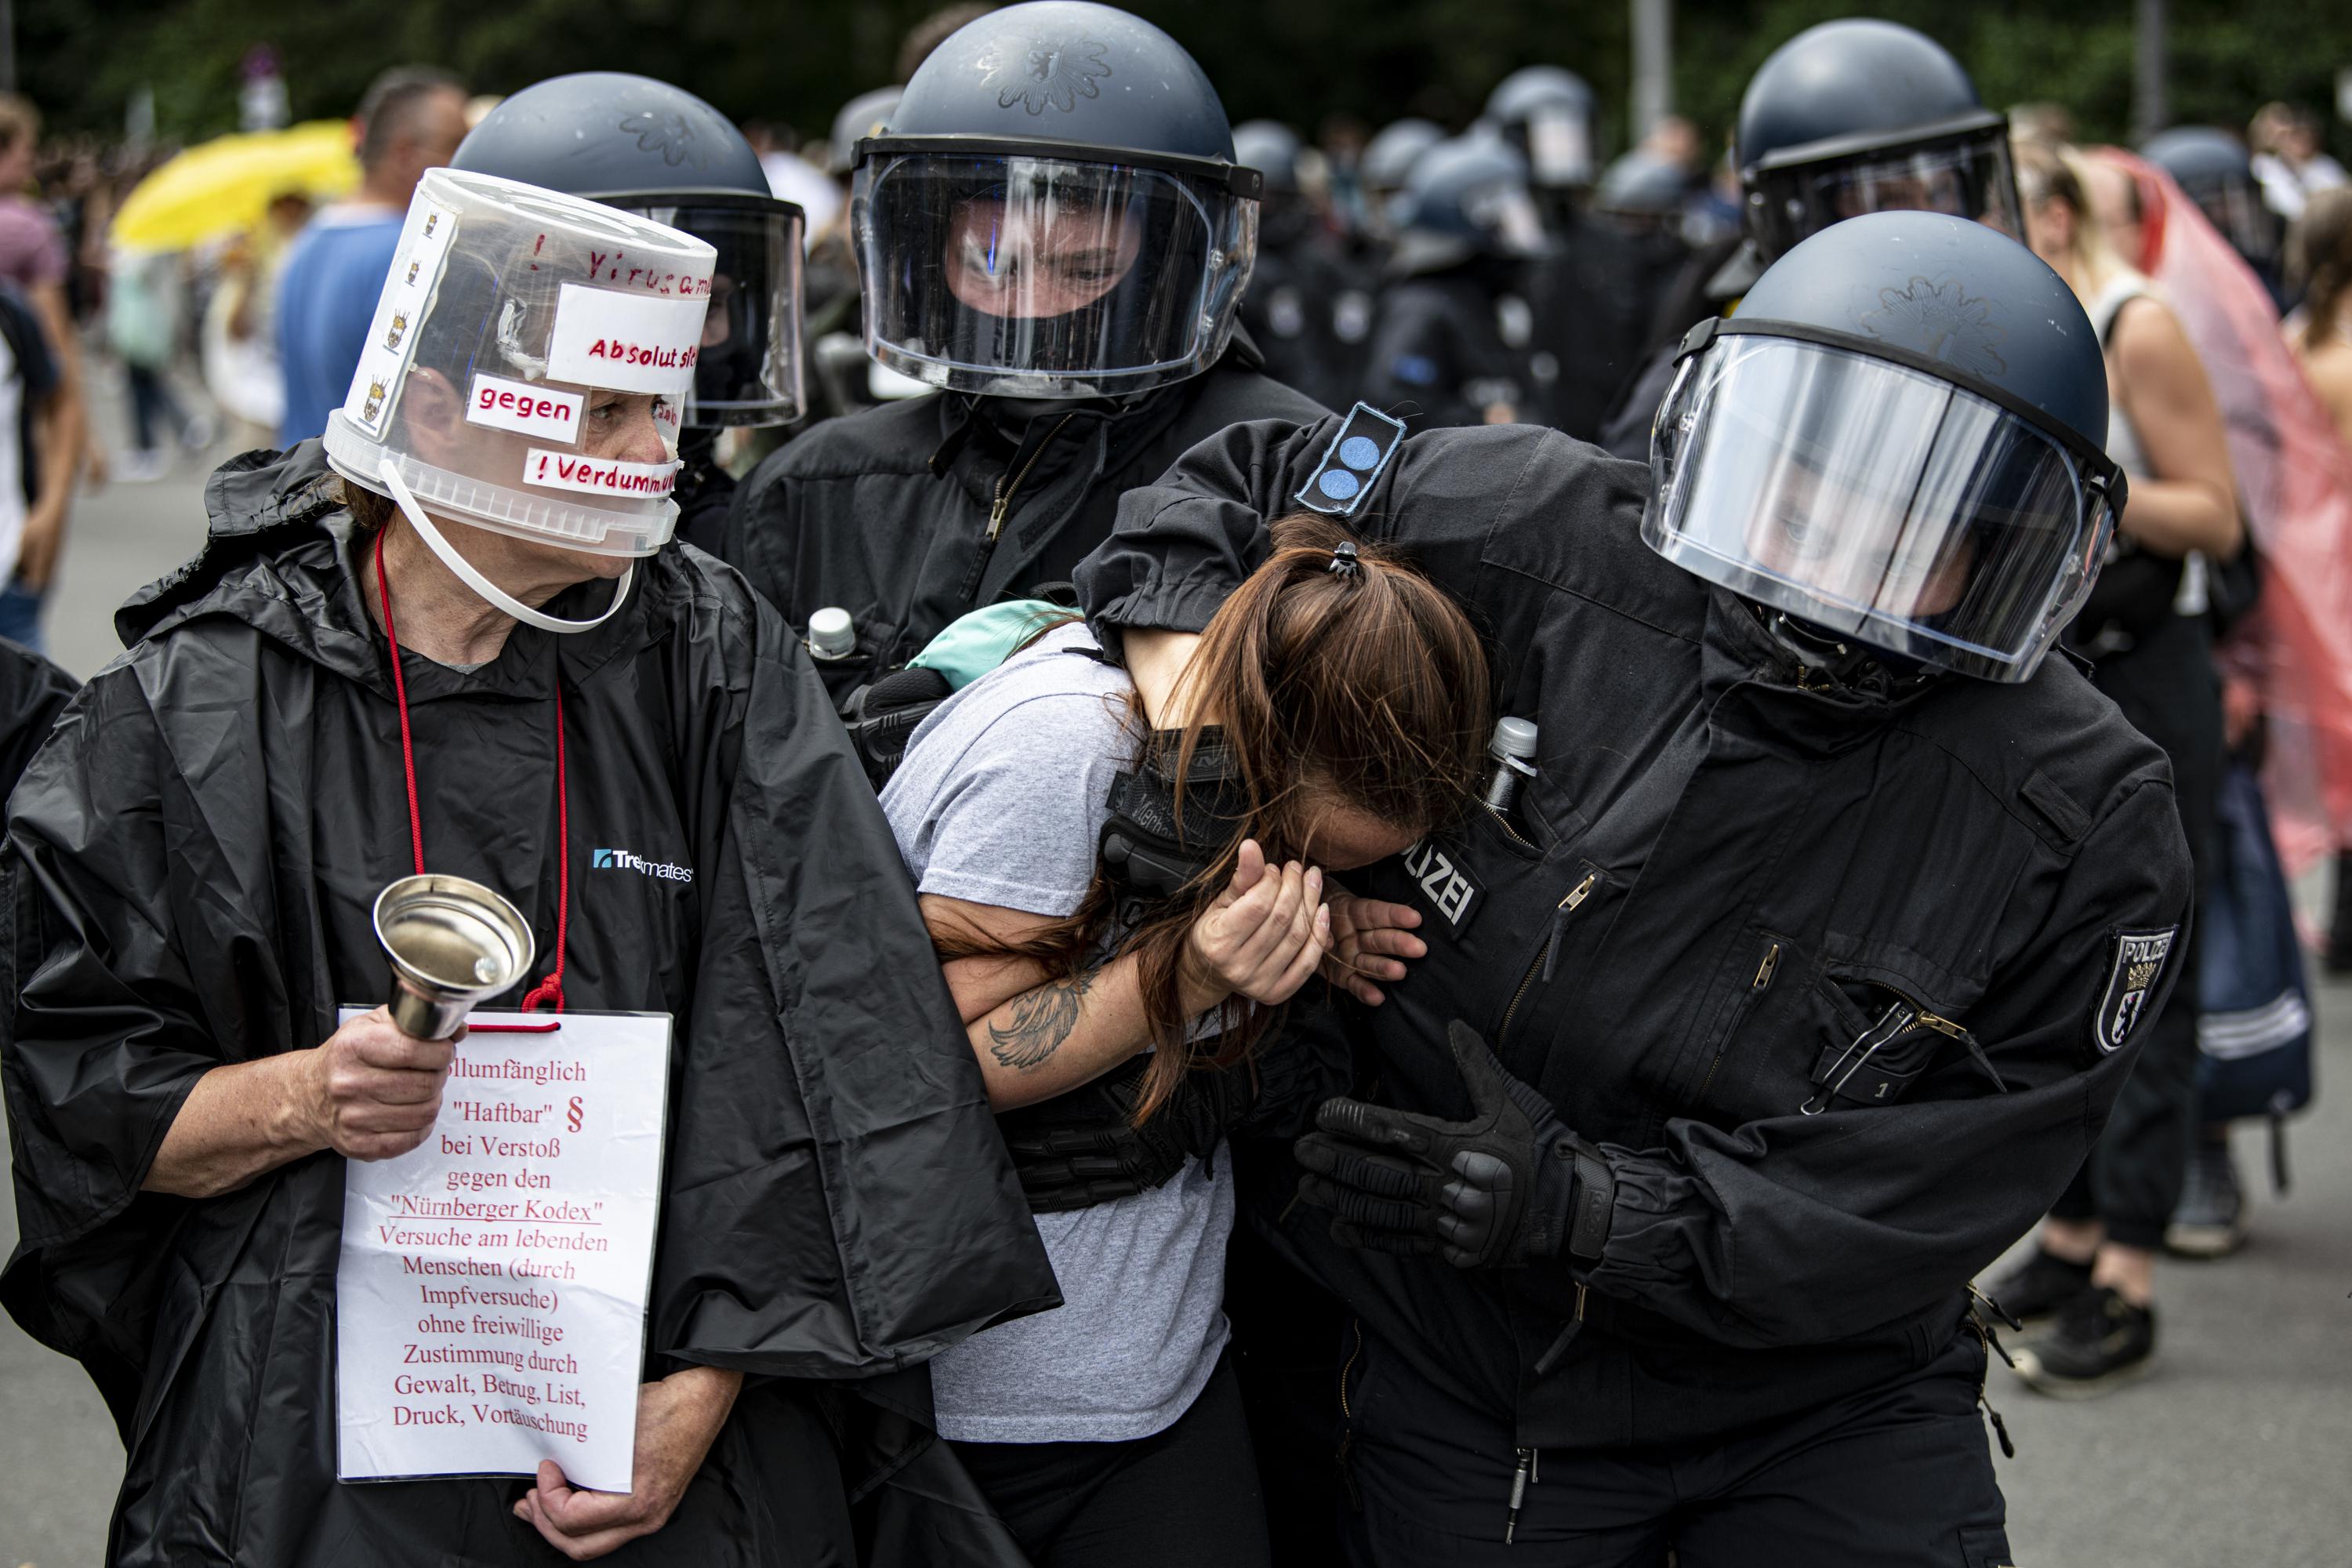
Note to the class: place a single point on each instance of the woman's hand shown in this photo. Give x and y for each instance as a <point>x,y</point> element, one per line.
<point>374,1092</point>
<point>1261,939</point>
<point>1368,939</point>
<point>677,1420</point>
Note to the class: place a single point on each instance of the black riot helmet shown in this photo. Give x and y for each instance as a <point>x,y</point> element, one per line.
<point>1900,438</point>
<point>1547,113</point>
<point>1055,211</point>
<point>1860,116</point>
<point>633,143</point>
<point>2213,170</point>
<point>1466,197</point>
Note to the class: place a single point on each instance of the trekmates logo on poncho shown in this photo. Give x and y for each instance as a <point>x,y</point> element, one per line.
<point>2138,964</point>
<point>628,860</point>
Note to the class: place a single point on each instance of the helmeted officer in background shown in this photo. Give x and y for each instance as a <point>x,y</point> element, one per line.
<point>1307,308</point>
<point>1849,117</point>
<point>647,147</point>
<point>1451,340</point>
<point>1054,232</point>
<point>1801,972</point>
<point>1591,299</point>
<point>2214,170</point>
<point>1387,164</point>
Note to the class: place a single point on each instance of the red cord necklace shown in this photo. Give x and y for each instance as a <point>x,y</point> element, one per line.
<point>550,989</point>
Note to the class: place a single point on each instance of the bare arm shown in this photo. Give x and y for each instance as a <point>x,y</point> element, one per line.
<point>370,1093</point>
<point>45,522</point>
<point>1036,1037</point>
<point>48,301</point>
<point>2192,501</point>
<point>2329,368</point>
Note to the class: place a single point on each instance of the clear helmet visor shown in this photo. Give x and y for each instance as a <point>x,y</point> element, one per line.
<point>1965,176</point>
<point>1025,276</point>
<point>1876,501</point>
<point>749,370</point>
<point>1559,146</point>
<point>528,363</point>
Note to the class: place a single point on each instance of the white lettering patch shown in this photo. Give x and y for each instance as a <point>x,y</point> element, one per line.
<point>546,412</point>
<point>624,342</point>
<point>599,475</point>
<point>1442,882</point>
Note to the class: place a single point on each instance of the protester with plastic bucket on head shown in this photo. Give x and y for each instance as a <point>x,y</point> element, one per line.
<point>655,149</point>
<point>450,642</point>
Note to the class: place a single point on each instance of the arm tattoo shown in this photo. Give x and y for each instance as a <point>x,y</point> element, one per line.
<point>1042,1020</point>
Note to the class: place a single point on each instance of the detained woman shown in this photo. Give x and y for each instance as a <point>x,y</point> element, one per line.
<point>450,640</point>
<point>2149,642</point>
<point>1352,695</point>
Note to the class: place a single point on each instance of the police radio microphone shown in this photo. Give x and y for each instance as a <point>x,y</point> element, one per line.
<point>1512,747</point>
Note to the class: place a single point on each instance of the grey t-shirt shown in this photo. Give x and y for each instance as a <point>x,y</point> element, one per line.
<point>1000,801</point>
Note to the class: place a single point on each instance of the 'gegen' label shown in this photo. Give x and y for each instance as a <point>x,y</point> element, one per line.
<point>528,410</point>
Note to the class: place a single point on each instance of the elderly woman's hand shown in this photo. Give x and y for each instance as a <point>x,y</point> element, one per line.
<point>677,1420</point>
<point>374,1092</point>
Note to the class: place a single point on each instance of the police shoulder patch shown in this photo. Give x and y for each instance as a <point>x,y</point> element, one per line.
<point>1360,449</point>
<point>2135,967</point>
<point>1444,878</point>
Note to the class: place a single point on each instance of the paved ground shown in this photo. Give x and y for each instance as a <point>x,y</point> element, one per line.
<point>2236,1450</point>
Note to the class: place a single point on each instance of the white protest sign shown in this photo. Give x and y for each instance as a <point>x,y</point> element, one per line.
<point>491,1298</point>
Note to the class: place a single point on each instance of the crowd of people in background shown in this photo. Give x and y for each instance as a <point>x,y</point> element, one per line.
<point>1506,273</point>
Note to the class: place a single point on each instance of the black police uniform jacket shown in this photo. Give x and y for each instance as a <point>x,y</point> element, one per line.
<point>1728,868</point>
<point>892,513</point>
<point>196,852</point>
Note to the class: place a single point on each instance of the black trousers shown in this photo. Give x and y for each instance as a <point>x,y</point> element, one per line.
<point>1183,1498</point>
<point>1896,1477</point>
<point>2165,686</point>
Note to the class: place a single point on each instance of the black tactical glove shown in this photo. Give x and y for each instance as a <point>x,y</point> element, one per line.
<point>1083,1148</point>
<point>1509,1186</point>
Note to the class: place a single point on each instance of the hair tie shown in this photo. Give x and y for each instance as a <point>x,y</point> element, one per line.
<point>1343,559</point>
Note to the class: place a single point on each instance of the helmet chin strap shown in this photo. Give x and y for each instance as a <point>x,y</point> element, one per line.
<point>388,472</point>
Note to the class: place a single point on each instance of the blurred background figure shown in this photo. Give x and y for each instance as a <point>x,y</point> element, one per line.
<point>46,380</point>
<point>2289,159</point>
<point>1454,334</point>
<point>143,302</point>
<point>2090,1286</point>
<point>411,119</point>
<point>2211,166</point>
<point>1307,307</point>
<point>239,346</point>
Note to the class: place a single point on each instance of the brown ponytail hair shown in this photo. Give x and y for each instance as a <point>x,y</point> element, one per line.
<point>1364,686</point>
<point>2319,260</point>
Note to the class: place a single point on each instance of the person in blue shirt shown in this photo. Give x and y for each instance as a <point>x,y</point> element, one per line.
<point>411,119</point>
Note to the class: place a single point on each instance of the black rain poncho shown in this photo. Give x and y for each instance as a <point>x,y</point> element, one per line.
<point>196,854</point>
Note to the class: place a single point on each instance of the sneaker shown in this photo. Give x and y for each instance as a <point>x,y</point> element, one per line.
<point>2098,1342</point>
<point>2039,1286</point>
<point>2210,1221</point>
<point>138,468</point>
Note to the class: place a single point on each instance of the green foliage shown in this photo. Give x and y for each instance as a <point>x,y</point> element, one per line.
<point>794,61</point>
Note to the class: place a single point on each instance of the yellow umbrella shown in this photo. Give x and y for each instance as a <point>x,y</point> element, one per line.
<point>224,186</point>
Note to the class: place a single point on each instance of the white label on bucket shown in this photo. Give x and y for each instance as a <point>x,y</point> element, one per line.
<point>624,342</point>
<point>546,412</point>
<point>599,475</point>
<point>399,310</point>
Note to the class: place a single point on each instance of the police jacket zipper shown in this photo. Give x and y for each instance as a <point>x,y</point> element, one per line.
<point>1762,982</point>
<point>1005,488</point>
<point>1550,957</point>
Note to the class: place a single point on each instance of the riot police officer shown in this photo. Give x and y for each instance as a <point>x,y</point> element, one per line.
<point>1800,975</point>
<point>1054,232</point>
<point>1451,342</point>
<point>1589,294</point>
<point>2214,170</point>
<point>1849,117</point>
<point>1304,308</point>
<point>634,142</point>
